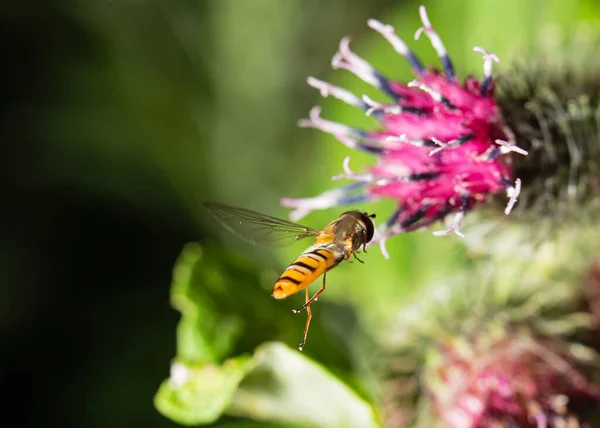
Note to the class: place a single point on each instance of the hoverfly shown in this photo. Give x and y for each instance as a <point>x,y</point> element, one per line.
<point>339,240</point>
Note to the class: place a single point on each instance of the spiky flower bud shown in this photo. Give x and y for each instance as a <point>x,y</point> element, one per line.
<point>441,143</point>
<point>464,361</point>
<point>552,105</point>
<point>507,376</point>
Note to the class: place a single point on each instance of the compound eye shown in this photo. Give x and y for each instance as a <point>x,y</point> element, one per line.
<point>366,219</point>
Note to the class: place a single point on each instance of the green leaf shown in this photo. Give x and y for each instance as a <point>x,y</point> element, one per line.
<point>277,385</point>
<point>203,335</point>
<point>226,310</point>
<point>285,386</point>
<point>195,395</point>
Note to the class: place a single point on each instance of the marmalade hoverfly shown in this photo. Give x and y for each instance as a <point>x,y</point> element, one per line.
<point>339,240</point>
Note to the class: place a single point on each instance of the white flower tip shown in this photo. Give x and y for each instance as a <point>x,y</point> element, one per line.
<point>397,138</point>
<point>315,114</point>
<point>304,123</point>
<point>348,173</point>
<point>369,101</point>
<point>346,165</point>
<point>318,84</point>
<point>455,226</point>
<point>508,147</point>
<point>345,45</point>
<point>298,214</point>
<point>424,17</point>
<point>418,33</point>
<point>313,81</point>
<point>425,20</point>
<point>441,146</point>
<point>374,24</point>
<point>486,53</point>
<point>373,105</point>
<point>299,211</point>
<point>288,202</point>
<point>513,194</point>
<point>401,137</point>
<point>380,27</point>
<point>336,61</point>
<point>445,232</point>
<point>383,249</point>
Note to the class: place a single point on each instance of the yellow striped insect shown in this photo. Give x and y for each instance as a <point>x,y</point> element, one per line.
<point>339,240</point>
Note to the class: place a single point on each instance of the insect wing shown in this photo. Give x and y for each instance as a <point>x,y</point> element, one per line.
<point>258,228</point>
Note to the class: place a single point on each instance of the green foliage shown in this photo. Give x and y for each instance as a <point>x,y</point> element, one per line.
<point>205,391</point>
<point>287,387</point>
<point>275,384</point>
<point>203,335</point>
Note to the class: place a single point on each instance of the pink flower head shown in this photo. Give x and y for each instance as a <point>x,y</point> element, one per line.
<point>509,380</point>
<point>439,148</point>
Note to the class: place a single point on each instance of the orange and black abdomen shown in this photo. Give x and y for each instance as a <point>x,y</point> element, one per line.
<point>304,271</point>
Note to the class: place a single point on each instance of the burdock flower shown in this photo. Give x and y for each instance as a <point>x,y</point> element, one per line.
<point>508,377</point>
<point>507,343</point>
<point>462,359</point>
<point>441,143</point>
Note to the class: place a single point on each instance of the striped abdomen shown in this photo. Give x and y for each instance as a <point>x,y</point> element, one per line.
<point>304,270</point>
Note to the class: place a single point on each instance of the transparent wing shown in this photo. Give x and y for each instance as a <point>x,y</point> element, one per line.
<point>259,228</point>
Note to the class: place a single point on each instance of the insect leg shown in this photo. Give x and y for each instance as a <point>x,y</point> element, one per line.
<point>364,241</point>
<point>356,257</point>
<point>313,298</point>
<point>308,317</point>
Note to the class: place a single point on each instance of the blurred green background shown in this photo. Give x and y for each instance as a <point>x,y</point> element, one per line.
<point>120,118</point>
